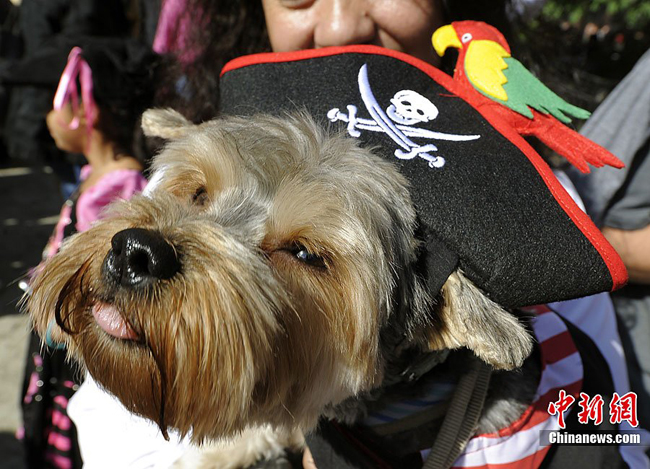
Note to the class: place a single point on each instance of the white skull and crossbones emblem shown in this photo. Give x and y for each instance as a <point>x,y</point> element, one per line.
<point>407,108</point>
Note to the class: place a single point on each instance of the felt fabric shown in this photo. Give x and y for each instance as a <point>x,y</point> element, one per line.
<point>529,107</point>
<point>480,190</point>
<point>489,67</point>
<point>485,67</point>
<point>495,73</point>
<point>524,89</point>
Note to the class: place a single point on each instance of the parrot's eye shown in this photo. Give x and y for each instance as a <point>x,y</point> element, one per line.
<point>466,38</point>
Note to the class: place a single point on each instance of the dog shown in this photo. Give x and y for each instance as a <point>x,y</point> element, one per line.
<point>270,278</point>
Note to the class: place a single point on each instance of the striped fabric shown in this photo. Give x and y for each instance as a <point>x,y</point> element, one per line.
<point>518,445</point>
<point>437,395</point>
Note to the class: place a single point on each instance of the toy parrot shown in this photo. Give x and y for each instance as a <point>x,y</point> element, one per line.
<point>503,87</point>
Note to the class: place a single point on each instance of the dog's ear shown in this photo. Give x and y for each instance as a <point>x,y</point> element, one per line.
<point>165,123</point>
<point>468,318</point>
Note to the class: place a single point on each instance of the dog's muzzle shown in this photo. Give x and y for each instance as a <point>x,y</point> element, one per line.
<point>139,257</point>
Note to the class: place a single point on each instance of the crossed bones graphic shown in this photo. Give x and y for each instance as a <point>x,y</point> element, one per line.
<point>407,108</point>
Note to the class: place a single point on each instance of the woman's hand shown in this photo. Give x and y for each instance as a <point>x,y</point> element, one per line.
<point>308,460</point>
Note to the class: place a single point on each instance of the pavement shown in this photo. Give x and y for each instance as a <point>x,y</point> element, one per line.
<point>29,205</point>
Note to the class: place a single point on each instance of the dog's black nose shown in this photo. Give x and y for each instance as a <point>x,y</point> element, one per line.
<point>139,256</point>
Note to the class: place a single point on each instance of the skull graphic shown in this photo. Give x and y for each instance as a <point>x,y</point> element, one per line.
<point>408,108</point>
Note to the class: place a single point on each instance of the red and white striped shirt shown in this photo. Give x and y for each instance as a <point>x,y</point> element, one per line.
<point>518,445</point>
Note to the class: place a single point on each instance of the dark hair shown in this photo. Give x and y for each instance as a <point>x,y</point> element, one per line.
<point>124,73</point>
<point>226,29</point>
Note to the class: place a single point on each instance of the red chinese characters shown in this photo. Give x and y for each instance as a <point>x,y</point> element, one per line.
<point>621,408</point>
<point>592,409</point>
<point>560,406</point>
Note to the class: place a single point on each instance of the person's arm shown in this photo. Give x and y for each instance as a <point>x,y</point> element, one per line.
<point>634,248</point>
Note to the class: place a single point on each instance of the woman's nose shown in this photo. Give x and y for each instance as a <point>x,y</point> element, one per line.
<point>343,22</point>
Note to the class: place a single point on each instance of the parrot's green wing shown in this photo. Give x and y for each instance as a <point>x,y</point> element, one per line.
<point>524,90</point>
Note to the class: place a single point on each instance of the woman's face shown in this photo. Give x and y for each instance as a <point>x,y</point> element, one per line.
<point>401,25</point>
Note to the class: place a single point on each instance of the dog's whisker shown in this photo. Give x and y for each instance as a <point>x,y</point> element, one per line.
<point>63,300</point>
<point>162,393</point>
<point>293,418</point>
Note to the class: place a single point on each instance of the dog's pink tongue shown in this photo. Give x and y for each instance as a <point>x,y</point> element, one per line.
<point>109,319</point>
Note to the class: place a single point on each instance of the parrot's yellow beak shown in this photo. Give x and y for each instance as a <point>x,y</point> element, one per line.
<point>445,37</point>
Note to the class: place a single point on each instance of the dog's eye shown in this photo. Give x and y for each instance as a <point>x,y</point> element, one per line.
<point>303,255</point>
<point>200,197</point>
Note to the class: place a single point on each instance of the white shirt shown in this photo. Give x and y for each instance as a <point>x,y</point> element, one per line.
<point>110,436</point>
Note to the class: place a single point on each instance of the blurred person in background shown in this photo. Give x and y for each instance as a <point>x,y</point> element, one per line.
<point>619,202</point>
<point>102,93</point>
<point>41,23</point>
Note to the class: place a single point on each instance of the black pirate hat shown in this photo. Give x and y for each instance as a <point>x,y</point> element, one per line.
<point>487,202</point>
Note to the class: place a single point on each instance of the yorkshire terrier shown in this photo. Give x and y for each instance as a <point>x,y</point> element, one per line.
<point>270,277</point>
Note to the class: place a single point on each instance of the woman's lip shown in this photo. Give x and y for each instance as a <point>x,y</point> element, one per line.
<point>112,322</point>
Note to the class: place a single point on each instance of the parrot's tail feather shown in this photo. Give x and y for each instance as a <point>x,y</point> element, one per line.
<point>577,149</point>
